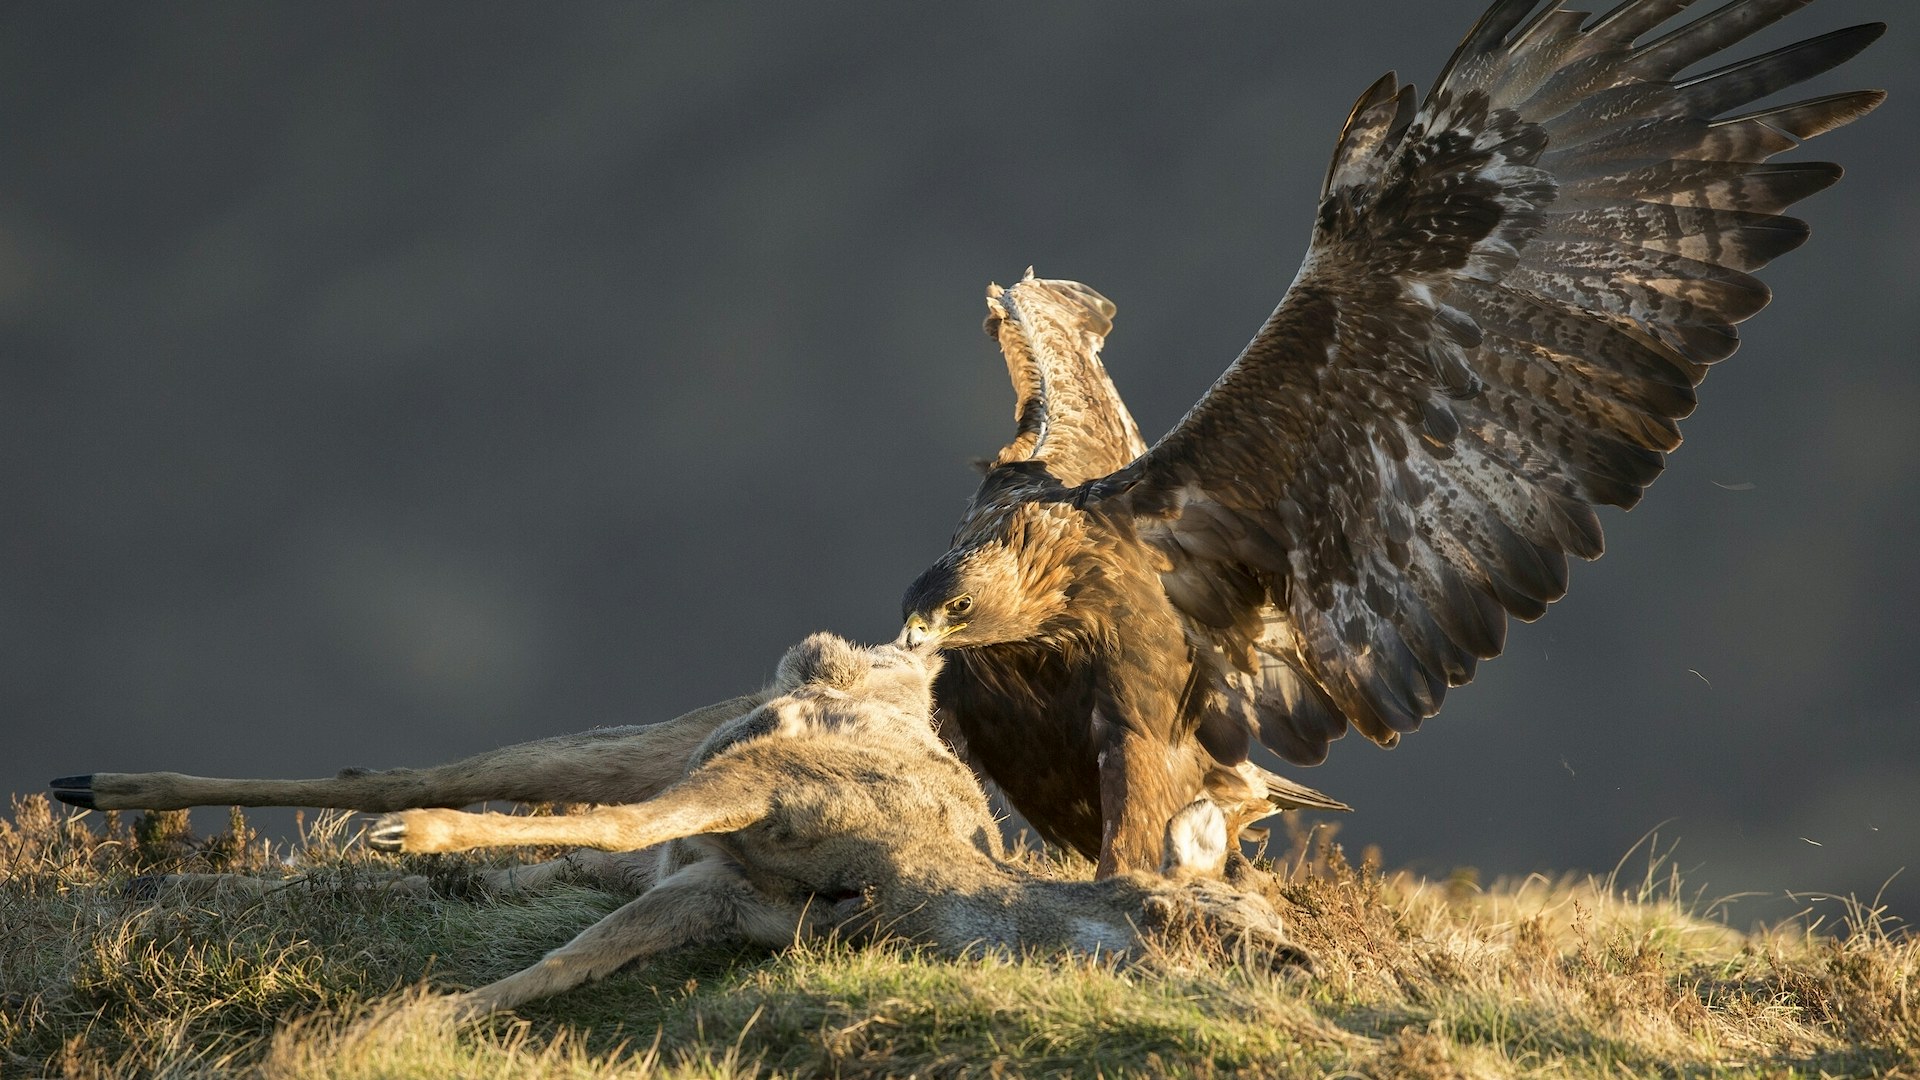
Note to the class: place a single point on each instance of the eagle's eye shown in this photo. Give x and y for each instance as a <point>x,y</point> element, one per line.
<point>960,605</point>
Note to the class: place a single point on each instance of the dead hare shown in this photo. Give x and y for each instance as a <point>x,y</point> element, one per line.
<point>826,804</point>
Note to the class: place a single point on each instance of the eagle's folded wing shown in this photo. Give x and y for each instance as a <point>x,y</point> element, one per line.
<point>1511,293</point>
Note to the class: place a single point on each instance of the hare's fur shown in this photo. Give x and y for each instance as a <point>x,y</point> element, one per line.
<point>825,804</point>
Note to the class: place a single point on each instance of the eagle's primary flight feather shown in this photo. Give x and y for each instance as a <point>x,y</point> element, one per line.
<point>1512,289</point>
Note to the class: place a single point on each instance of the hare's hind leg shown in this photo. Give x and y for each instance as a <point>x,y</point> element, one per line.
<point>707,902</point>
<point>610,765</point>
<point>628,872</point>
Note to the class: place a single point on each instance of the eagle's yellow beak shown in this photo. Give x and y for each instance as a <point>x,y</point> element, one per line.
<point>914,634</point>
<point>917,633</point>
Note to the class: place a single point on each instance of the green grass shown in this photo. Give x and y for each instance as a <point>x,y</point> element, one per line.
<point>1418,979</point>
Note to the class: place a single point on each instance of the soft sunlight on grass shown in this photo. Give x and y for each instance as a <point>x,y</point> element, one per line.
<point>1417,978</point>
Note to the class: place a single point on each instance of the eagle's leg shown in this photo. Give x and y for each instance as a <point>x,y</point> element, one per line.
<point>1139,793</point>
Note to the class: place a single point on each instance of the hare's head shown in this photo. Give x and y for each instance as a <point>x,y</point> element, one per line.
<point>828,682</point>
<point>823,659</point>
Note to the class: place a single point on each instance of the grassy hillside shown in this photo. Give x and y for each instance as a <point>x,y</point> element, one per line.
<point>1417,978</point>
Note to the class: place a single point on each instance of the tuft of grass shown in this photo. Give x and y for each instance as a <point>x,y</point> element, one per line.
<point>319,976</point>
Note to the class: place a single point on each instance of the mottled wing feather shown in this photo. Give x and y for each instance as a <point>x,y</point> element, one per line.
<point>1510,296</point>
<point>1068,414</point>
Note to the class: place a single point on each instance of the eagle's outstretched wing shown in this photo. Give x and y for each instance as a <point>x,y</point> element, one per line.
<point>1511,293</point>
<point>1068,414</point>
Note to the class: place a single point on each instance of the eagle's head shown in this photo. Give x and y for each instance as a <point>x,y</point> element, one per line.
<point>959,600</point>
<point>1005,587</point>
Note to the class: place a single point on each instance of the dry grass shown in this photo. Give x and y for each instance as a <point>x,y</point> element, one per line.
<point>1418,979</point>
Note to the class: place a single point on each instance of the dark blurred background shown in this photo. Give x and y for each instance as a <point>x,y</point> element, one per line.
<point>384,383</point>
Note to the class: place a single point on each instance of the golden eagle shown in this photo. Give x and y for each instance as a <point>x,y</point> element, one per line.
<point>1512,289</point>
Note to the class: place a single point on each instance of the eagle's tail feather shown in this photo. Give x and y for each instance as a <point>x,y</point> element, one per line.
<point>1286,794</point>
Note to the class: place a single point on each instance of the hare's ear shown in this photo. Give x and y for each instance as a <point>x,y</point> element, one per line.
<point>1196,845</point>
<point>823,658</point>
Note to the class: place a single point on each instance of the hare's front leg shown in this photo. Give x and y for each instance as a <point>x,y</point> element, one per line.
<point>706,902</point>
<point>709,802</point>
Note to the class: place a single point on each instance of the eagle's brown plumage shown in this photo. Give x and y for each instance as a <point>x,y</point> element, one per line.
<point>1512,289</point>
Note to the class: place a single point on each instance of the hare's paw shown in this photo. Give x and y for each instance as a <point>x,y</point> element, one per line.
<point>415,832</point>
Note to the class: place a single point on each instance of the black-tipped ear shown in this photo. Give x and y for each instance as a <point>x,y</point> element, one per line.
<point>74,790</point>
